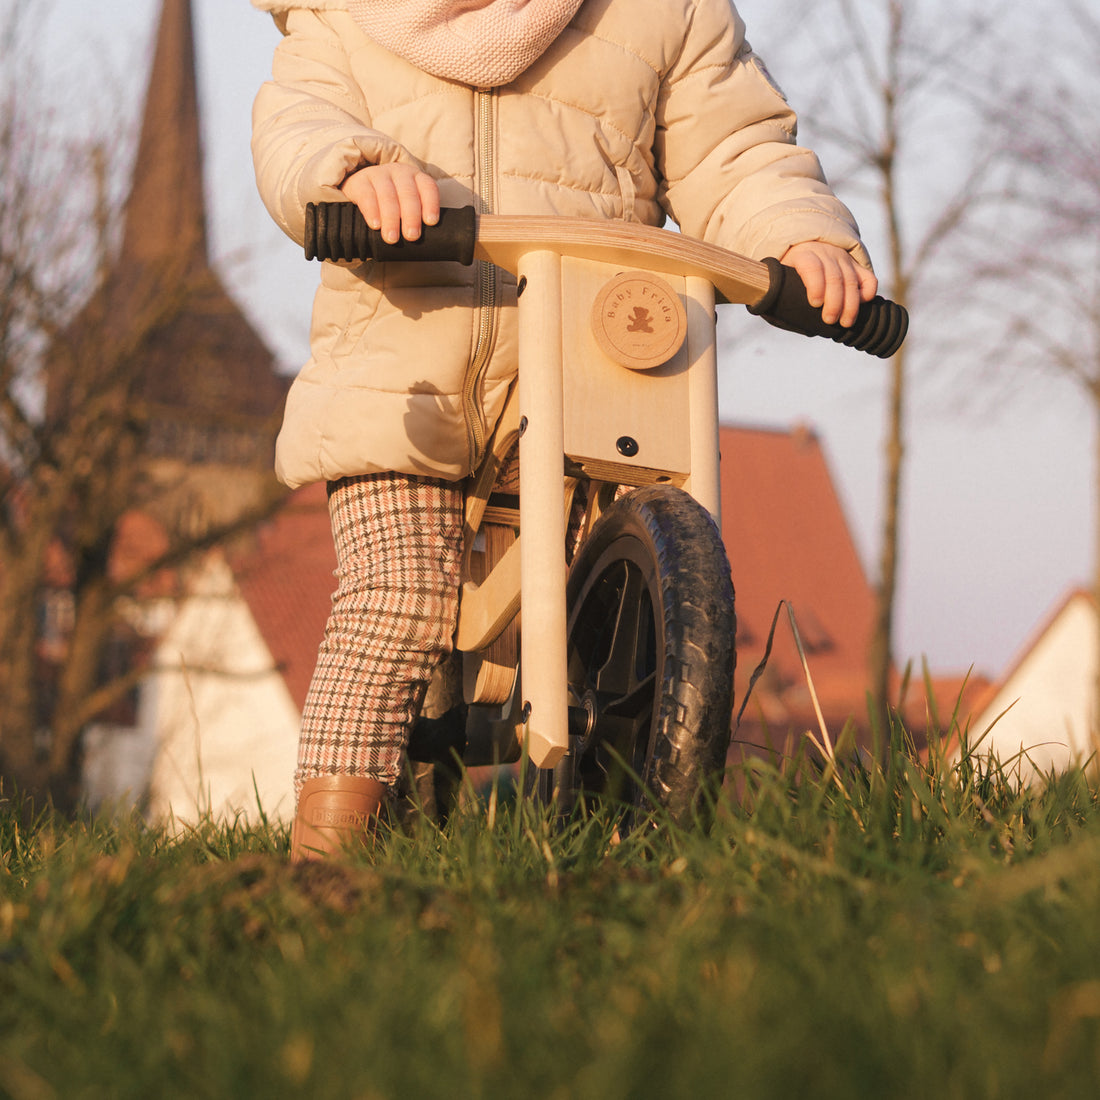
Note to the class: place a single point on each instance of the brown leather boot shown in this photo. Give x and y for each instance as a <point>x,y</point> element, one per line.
<point>335,812</point>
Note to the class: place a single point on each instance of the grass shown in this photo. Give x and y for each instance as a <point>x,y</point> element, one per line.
<point>903,930</point>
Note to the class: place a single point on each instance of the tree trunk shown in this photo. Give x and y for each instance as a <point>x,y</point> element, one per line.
<point>882,637</point>
<point>20,681</point>
<point>882,650</point>
<point>1094,717</point>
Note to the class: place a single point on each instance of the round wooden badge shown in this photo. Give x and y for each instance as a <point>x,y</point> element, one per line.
<point>639,320</point>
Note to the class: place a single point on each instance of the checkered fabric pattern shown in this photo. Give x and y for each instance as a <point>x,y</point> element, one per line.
<point>398,548</point>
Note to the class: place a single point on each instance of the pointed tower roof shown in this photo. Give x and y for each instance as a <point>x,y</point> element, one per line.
<point>202,360</point>
<point>199,374</point>
<point>166,212</point>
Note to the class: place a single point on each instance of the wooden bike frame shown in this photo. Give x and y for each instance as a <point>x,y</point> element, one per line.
<point>617,386</point>
<point>620,407</point>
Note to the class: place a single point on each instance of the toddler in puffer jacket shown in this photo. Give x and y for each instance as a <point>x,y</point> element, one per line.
<point>624,109</point>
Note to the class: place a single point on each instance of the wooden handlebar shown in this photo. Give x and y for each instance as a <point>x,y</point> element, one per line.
<point>337,231</point>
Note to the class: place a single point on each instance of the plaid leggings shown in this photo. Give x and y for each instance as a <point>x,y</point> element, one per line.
<point>398,549</point>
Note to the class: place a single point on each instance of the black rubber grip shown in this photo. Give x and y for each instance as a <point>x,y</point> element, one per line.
<point>338,231</point>
<point>879,330</point>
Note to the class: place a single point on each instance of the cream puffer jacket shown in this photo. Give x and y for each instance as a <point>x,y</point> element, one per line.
<point>640,108</point>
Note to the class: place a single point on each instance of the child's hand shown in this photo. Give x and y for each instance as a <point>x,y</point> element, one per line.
<point>396,198</point>
<point>835,283</point>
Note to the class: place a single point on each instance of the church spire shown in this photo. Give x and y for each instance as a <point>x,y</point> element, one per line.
<point>201,377</point>
<point>165,224</point>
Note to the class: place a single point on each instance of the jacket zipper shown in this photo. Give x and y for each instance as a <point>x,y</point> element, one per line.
<point>487,282</point>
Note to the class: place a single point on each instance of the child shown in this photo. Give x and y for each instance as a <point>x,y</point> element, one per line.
<point>627,109</point>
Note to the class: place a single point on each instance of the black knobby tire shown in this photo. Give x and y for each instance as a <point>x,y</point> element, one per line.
<point>651,658</point>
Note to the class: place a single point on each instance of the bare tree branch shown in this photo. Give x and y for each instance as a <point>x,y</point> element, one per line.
<point>898,104</point>
<point>78,422</point>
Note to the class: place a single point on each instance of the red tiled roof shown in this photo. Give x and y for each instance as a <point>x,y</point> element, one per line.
<point>787,539</point>
<point>955,700</point>
<point>287,582</point>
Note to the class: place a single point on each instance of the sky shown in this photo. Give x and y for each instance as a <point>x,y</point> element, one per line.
<point>998,515</point>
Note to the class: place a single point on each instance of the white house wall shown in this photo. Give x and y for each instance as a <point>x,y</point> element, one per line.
<point>226,725</point>
<point>1048,699</point>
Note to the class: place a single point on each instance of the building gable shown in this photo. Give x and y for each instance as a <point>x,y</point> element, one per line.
<point>1040,713</point>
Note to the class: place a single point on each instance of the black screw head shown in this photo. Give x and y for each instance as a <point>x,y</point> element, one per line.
<point>627,446</point>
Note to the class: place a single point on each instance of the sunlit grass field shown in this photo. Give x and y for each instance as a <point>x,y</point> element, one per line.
<point>908,929</point>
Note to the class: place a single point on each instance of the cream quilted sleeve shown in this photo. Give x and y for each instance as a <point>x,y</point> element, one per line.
<point>310,125</point>
<point>733,173</point>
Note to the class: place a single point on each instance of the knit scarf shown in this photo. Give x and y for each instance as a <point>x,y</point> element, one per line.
<point>479,42</point>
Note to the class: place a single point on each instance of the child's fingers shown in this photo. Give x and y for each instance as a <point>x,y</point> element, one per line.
<point>811,269</point>
<point>868,282</point>
<point>361,191</point>
<point>405,205</point>
<point>417,198</point>
<point>395,199</point>
<point>398,206</point>
<point>842,295</point>
<point>828,285</point>
<point>834,282</point>
<point>860,285</point>
<point>367,189</point>
<point>429,198</point>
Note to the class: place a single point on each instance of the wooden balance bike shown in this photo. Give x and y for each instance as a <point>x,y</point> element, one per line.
<point>610,564</point>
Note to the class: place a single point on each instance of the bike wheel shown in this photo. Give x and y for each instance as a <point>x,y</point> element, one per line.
<point>651,659</point>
